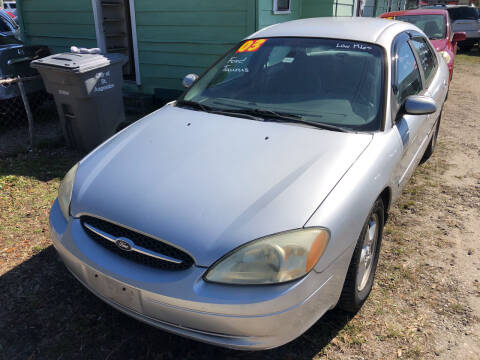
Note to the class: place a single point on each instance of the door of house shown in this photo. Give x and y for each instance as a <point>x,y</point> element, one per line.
<point>116,32</point>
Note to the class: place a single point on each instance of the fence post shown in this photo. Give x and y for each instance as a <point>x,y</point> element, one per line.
<point>27,110</point>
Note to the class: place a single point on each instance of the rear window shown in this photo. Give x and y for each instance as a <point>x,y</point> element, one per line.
<point>463,13</point>
<point>12,25</point>
<point>5,26</point>
<point>434,26</point>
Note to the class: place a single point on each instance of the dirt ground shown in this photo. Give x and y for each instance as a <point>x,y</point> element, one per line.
<point>425,303</point>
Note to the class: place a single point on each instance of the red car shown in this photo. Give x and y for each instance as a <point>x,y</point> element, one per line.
<point>436,24</point>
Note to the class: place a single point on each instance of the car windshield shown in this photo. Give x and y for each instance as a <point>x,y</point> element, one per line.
<point>324,81</point>
<point>8,40</point>
<point>463,13</point>
<point>6,23</point>
<point>4,26</point>
<point>434,26</point>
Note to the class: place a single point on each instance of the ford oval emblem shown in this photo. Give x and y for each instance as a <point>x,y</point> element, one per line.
<point>123,244</point>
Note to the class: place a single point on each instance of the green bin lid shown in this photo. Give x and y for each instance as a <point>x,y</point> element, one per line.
<point>79,63</point>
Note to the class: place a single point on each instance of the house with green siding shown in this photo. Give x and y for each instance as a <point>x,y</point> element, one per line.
<point>166,39</point>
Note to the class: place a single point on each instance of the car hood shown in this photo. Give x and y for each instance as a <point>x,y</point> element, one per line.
<point>209,183</point>
<point>15,58</point>
<point>439,44</point>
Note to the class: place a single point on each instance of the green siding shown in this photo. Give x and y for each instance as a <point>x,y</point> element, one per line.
<point>316,8</point>
<point>382,7</point>
<point>266,17</point>
<point>343,8</point>
<point>369,8</point>
<point>302,9</point>
<point>58,24</point>
<point>177,37</point>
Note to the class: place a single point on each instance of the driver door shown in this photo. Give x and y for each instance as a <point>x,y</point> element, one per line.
<point>406,80</point>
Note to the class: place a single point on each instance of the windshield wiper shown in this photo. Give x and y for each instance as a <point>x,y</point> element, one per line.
<point>270,115</point>
<point>262,114</point>
<point>194,104</point>
<point>210,109</point>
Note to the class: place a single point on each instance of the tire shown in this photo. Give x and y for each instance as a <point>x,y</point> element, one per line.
<point>433,142</point>
<point>361,271</point>
<point>466,47</point>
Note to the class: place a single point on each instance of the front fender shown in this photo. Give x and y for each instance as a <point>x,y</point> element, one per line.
<point>347,206</point>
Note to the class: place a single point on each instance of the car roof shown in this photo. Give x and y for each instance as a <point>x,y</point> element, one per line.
<point>416,12</point>
<point>347,28</point>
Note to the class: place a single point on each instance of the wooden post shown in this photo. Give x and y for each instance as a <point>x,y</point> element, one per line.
<point>27,110</point>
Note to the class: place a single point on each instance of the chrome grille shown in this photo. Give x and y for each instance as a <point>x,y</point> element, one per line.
<point>138,247</point>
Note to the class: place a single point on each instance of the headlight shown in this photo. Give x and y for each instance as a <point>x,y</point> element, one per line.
<point>446,56</point>
<point>273,259</point>
<point>65,191</point>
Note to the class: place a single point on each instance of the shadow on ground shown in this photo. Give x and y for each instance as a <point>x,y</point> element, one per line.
<point>46,314</point>
<point>45,163</point>
<point>475,51</point>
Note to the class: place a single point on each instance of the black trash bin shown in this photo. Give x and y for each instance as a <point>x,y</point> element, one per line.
<point>88,93</point>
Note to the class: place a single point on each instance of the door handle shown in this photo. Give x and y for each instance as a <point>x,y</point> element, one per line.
<point>445,83</point>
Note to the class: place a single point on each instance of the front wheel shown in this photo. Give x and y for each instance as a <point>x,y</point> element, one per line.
<point>466,47</point>
<point>361,272</point>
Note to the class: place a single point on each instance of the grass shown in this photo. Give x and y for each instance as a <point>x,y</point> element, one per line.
<point>470,57</point>
<point>28,187</point>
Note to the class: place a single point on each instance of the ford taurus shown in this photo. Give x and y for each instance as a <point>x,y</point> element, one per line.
<point>242,212</point>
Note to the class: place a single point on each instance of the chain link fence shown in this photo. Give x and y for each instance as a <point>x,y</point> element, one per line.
<point>28,116</point>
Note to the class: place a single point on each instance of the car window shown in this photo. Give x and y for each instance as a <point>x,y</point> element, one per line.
<point>463,13</point>
<point>277,55</point>
<point>426,57</point>
<point>450,29</point>
<point>408,80</point>
<point>13,25</point>
<point>339,82</point>
<point>4,25</point>
<point>233,69</point>
<point>434,26</point>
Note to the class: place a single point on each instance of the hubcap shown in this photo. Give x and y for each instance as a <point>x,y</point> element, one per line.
<point>367,255</point>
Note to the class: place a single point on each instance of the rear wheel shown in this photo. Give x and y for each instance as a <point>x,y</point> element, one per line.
<point>361,272</point>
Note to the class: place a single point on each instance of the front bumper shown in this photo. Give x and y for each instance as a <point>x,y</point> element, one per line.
<point>240,317</point>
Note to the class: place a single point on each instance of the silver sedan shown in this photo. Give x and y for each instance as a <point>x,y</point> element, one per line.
<point>242,212</point>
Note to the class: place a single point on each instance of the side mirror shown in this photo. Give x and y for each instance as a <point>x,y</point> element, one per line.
<point>189,80</point>
<point>419,105</point>
<point>459,36</point>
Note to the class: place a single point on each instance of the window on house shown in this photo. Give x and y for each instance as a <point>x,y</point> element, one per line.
<point>281,6</point>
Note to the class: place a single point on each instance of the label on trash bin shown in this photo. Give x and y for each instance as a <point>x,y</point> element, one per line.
<point>104,82</point>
